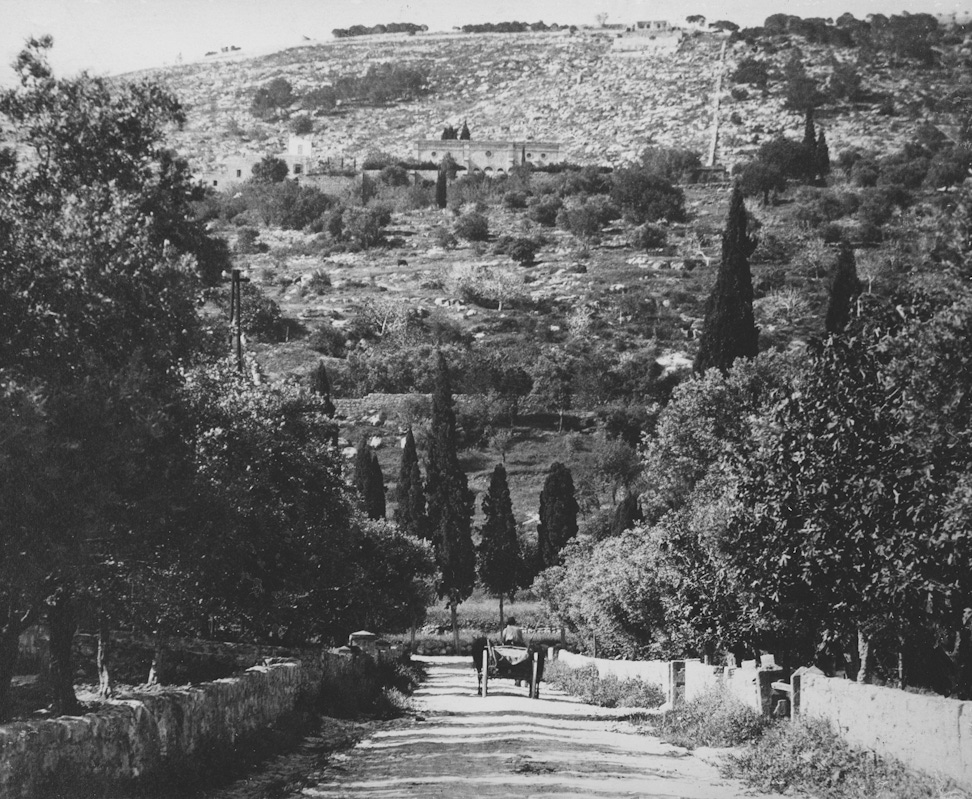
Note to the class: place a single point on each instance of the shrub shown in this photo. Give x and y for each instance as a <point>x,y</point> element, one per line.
<point>649,237</point>
<point>751,71</point>
<point>444,238</point>
<point>274,96</point>
<point>523,250</point>
<point>808,757</point>
<point>318,282</point>
<point>715,718</point>
<point>472,226</point>
<point>247,241</point>
<point>643,196</point>
<point>515,200</point>
<point>302,125</point>
<point>674,164</point>
<point>608,691</point>
<point>260,315</point>
<point>543,210</point>
<point>328,340</point>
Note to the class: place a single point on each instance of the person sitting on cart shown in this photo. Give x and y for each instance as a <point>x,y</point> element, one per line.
<point>512,633</point>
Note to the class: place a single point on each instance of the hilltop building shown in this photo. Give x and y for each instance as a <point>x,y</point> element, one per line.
<point>490,156</point>
<point>652,35</point>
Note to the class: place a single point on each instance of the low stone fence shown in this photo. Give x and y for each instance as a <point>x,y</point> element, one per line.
<point>928,733</point>
<point>147,734</point>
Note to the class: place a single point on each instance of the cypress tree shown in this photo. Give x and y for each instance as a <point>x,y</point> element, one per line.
<point>558,514</point>
<point>321,385</point>
<point>844,289</point>
<point>369,481</point>
<point>464,133</point>
<point>410,493</point>
<point>810,146</point>
<point>626,515</point>
<point>450,501</point>
<point>729,330</point>
<point>822,156</point>
<point>441,195</point>
<point>499,549</point>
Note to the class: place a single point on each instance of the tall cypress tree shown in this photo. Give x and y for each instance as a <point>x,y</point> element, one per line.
<point>821,163</point>
<point>844,289</point>
<point>369,481</point>
<point>410,493</point>
<point>441,190</point>
<point>499,548</point>
<point>321,385</point>
<point>729,330</point>
<point>558,514</point>
<point>450,501</point>
<point>464,133</point>
<point>810,146</point>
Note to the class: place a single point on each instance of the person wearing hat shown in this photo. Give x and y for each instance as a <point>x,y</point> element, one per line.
<point>512,634</point>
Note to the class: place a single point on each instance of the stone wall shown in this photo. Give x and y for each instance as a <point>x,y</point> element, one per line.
<point>650,671</point>
<point>140,736</point>
<point>929,733</point>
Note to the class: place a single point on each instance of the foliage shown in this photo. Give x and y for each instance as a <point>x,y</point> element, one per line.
<point>558,514</point>
<point>608,691</point>
<point>472,226</point>
<point>649,237</point>
<point>807,756</point>
<point>643,196</point>
<point>410,513</point>
<point>384,83</point>
<point>713,719</point>
<point>586,218</point>
<point>390,27</point>
<point>752,71</point>
<point>674,164</point>
<point>260,316</point>
<point>369,482</point>
<point>272,98</point>
<point>729,330</point>
<point>499,548</point>
<point>543,210</point>
<point>270,170</point>
<point>449,498</point>
<point>844,289</point>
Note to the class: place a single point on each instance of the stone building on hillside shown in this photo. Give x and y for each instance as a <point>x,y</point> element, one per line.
<point>490,156</point>
<point>653,35</point>
<point>299,156</point>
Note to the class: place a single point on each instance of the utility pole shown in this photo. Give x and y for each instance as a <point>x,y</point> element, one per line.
<point>236,322</point>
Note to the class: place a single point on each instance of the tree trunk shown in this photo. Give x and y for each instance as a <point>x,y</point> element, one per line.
<point>864,653</point>
<point>156,668</point>
<point>61,627</point>
<point>501,612</point>
<point>453,609</point>
<point>105,688</point>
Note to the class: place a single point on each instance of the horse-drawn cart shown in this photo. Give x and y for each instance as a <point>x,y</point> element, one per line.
<point>520,663</point>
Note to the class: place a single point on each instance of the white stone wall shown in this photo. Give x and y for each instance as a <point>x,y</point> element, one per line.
<point>928,733</point>
<point>650,671</point>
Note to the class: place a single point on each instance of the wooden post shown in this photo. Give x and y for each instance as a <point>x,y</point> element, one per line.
<point>534,684</point>
<point>485,669</point>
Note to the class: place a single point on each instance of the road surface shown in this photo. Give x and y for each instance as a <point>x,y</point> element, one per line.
<point>507,745</point>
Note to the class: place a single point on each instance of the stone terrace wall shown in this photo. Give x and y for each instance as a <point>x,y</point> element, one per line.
<point>928,733</point>
<point>136,737</point>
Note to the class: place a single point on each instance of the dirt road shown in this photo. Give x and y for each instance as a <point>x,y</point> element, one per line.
<point>511,746</point>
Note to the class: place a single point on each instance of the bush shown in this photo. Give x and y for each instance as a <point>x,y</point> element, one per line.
<point>544,210</point>
<point>608,691</point>
<point>751,71</point>
<point>247,241</point>
<point>643,196</point>
<point>328,340</point>
<point>674,164</point>
<point>649,237</point>
<point>444,238</point>
<point>472,226</point>
<point>260,315</point>
<point>713,719</point>
<point>808,757</point>
<point>514,200</point>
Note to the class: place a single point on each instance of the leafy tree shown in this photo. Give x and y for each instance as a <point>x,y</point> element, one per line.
<point>558,514</point>
<point>499,548</point>
<point>729,329</point>
<point>270,169</point>
<point>672,163</point>
<point>752,71</point>
<point>553,381</point>
<point>96,311</point>
<point>800,92</point>
<point>410,493</point>
<point>271,98</point>
<point>643,196</point>
<point>760,178</point>
<point>450,502</point>
<point>844,290</point>
<point>626,515</point>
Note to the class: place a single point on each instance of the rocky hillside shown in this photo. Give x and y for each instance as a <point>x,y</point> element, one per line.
<point>602,105</point>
